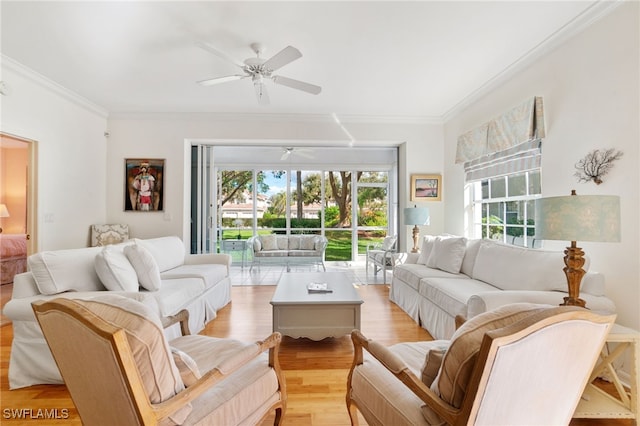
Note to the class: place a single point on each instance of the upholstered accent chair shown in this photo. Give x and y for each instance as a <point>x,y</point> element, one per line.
<point>382,256</point>
<point>102,235</point>
<point>523,364</point>
<point>120,369</point>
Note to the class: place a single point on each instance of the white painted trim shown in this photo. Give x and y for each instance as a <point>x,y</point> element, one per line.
<point>590,15</point>
<point>275,117</point>
<point>51,85</point>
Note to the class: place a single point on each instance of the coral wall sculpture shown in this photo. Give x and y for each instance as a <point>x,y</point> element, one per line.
<point>596,164</point>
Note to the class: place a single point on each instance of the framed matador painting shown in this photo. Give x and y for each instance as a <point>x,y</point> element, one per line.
<point>144,185</point>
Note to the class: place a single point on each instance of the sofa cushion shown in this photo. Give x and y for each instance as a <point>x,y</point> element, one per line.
<point>115,270</point>
<point>294,242</point>
<point>459,360</point>
<point>447,254</point>
<point>302,253</point>
<point>177,294</point>
<point>271,253</point>
<point>412,273</point>
<point>269,242</point>
<point>470,255</point>
<point>169,252</point>
<point>516,268</point>
<point>425,250</point>
<point>210,273</point>
<point>451,294</point>
<point>65,270</point>
<point>308,242</point>
<point>145,266</point>
<point>282,241</point>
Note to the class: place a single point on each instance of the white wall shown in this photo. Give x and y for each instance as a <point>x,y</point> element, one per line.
<point>164,135</point>
<point>71,154</point>
<point>590,86</point>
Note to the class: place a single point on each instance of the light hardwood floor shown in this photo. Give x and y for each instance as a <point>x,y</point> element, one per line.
<point>315,372</point>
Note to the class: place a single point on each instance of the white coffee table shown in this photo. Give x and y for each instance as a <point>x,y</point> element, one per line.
<point>298,313</point>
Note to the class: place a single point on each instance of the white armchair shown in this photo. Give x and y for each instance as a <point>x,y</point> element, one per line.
<point>520,364</point>
<point>382,256</point>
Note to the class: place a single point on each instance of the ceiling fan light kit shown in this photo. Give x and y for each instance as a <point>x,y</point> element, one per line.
<point>260,70</point>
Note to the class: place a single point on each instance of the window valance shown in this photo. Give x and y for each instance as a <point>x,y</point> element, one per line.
<point>523,123</point>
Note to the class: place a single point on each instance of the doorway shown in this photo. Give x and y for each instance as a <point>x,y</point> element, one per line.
<point>17,204</point>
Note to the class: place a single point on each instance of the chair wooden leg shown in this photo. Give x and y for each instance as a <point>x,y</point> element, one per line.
<point>353,412</point>
<point>279,416</point>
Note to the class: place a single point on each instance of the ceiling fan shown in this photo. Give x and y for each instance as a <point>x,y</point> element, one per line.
<point>260,70</point>
<point>303,152</point>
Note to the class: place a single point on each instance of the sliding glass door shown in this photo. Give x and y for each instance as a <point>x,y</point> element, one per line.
<point>351,207</point>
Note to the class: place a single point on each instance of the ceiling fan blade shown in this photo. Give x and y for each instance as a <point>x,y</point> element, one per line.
<point>261,93</point>
<point>282,58</point>
<point>305,152</point>
<point>218,80</point>
<point>287,153</point>
<point>219,53</point>
<point>296,84</point>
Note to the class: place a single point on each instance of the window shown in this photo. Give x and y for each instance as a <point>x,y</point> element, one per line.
<point>503,207</point>
<point>257,190</point>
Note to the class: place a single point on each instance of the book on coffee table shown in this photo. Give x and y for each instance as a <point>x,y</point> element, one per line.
<point>314,287</point>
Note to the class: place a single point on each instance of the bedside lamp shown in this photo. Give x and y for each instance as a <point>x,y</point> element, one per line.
<point>577,217</point>
<point>4,212</point>
<point>416,216</point>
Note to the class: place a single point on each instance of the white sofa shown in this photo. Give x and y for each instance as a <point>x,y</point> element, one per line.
<point>287,249</point>
<point>157,272</point>
<point>455,276</point>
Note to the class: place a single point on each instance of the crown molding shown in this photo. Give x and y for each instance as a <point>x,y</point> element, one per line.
<point>39,79</point>
<point>275,117</point>
<point>588,17</point>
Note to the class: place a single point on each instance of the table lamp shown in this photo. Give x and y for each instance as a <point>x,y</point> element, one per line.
<point>416,216</point>
<point>4,212</point>
<point>577,217</point>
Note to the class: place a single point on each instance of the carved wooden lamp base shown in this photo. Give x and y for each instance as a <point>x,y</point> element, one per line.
<point>416,236</point>
<point>574,261</point>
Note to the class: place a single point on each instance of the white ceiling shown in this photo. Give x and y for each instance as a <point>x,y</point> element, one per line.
<point>418,59</point>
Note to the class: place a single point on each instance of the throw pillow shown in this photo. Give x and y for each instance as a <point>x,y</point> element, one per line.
<point>447,254</point>
<point>160,376</point>
<point>388,243</point>
<point>115,270</point>
<point>282,242</point>
<point>187,367</point>
<point>425,251</point>
<point>145,266</point>
<point>433,361</point>
<point>308,242</point>
<point>294,242</point>
<point>459,361</point>
<point>269,242</point>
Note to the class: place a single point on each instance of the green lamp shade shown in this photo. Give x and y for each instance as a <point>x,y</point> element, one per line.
<point>579,218</point>
<point>416,216</point>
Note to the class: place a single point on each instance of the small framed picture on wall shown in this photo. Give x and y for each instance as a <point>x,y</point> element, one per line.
<point>144,185</point>
<point>426,187</point>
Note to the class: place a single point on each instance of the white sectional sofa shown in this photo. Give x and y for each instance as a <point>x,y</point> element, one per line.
<point>157,272</point>
<point>455,276</point>
<point>287,249</point>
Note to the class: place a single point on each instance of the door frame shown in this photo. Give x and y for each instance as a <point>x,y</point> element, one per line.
<point>32,189</point>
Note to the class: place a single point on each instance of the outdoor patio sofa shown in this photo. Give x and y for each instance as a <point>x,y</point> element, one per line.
<point>287,249</point>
